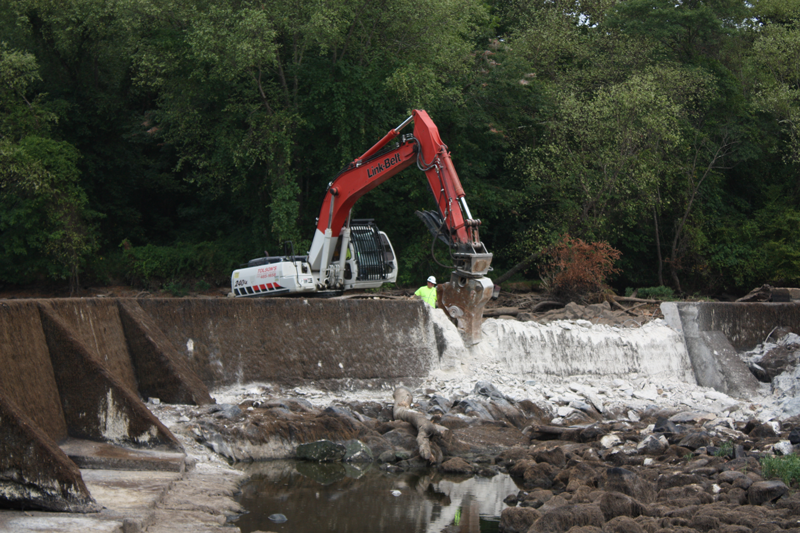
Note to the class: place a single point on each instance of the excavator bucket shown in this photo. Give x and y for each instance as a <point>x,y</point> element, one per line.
<point>463,299</point>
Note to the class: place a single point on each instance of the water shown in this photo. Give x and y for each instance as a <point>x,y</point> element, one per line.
<point>343,499</point>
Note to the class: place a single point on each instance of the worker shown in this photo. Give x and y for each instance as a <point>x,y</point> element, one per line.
<point>428,293</point>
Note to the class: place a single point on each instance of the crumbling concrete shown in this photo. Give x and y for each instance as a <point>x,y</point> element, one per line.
<point>34,472</point>
<point>713,332</point>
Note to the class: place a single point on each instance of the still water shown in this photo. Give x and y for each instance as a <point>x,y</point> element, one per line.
<point>340,498</point>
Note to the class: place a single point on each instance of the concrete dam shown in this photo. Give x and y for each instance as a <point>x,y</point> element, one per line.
<point>77,371</point>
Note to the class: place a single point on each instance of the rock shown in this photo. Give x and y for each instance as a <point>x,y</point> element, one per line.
<point>439,404</point>
<point>278,518</point>
<point>695,440</point>
<point>609,441</point>
<point>387,457</point>
<point>456,465</point>
<point>730,476</point>
<point>337,410</point>
<point>554,456</point>
<point>704,523</point>
<point>762,492</point>
<point>518,519</point>
<point>401,438</point>
<point>692,416</point>
<point>757,430</point>
<point>539,475</point>
<point>779,360</point>
<point>579,475</point>
<point>322,451</point>
<point>794,435</point>
<point>628,483</point>
<point>473,408</point>
<point>591,434</point>
<point>783,447</point>
<point>614,504</point>
<point>535,498</point>
<point>357,452</point>
<point>653,445</point>
<point>563,518</point>
<point>622,524</point>
<point>485,388</point>
<point>668,427</point>
<point>553,503</point>
<point>225,410</point>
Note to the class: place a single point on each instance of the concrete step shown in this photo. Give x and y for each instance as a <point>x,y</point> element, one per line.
<point>105,456</point>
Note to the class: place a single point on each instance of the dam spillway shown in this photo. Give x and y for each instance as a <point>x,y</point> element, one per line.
<point>81,368</point>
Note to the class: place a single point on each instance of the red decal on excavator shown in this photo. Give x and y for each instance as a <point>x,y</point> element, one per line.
<point>263,287</point>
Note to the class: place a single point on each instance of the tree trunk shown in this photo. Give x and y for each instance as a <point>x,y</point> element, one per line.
<point>425,428</point>
<point>658,249</point>
<point>517,268</point>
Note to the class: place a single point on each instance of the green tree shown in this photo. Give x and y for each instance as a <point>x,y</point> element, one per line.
<point>44,210</point>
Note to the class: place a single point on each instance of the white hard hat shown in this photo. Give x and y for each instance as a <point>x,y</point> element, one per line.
<point>432,279</point>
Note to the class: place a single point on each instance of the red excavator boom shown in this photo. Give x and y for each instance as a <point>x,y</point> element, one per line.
<point>468,290</point>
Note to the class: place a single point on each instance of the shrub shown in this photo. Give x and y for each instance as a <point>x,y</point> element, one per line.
<point>786,467</point>
<point>176,289</point>
<point>656,293</point>
<point>180,263</point>
<point>725,450</point>
<point>577,270</point>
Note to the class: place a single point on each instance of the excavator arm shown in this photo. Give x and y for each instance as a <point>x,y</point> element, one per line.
<point>468,290</point>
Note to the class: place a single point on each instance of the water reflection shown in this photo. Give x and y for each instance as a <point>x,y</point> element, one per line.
<point>345,499</point>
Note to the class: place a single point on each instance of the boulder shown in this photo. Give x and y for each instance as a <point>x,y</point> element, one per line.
<point>357,452</point>
<point>695,440</point>
<point>653,445</point>
<point>322,451</point>
<point>757,430</point>
<point>554,456</point>
<point>622,524</point>
<point>564,518</point>
<point>518,519</point>
<point>614,504</point>
<point>762,492</point>
<point>627,482</point>
<point>456,465</point>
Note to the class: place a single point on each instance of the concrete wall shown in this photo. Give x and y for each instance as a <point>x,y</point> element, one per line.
<point>746,325</point>
<point>715,332</point>
<point>290,340</point>
<point>80,368</point>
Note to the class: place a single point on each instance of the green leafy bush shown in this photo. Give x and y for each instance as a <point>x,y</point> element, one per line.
<point>656,293</point>
<point>180,262</point>
<point>786,467</point>
<point>176,289</point>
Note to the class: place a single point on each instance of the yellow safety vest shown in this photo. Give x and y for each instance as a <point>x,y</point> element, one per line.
<point>428,295</point>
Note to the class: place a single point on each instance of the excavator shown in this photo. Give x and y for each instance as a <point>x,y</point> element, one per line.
<point>349,254</point>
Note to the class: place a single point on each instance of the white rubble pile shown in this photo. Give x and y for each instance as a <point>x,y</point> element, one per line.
<point>785,387</point>
<point>563,367</point>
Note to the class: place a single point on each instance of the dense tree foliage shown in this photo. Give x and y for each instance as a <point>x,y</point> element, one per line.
<point>162,140</point>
